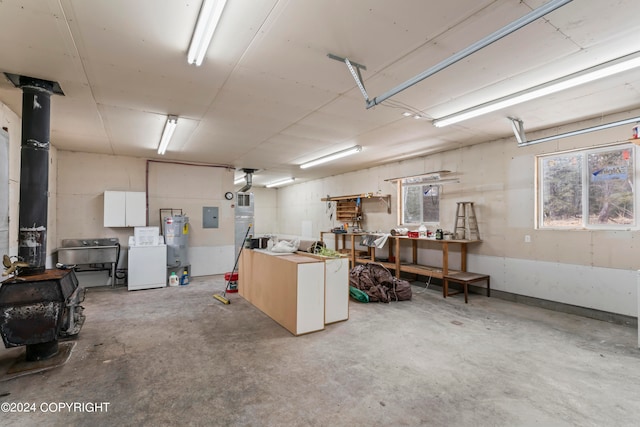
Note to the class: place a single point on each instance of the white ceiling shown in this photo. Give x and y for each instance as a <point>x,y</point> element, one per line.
<point>268,97</point>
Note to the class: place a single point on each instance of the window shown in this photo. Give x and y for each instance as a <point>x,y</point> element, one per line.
<point>587,189</point>
<point>420,203</point>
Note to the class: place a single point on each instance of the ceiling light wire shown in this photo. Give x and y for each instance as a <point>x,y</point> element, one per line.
<point>389,103</point>
<point>407,107</point>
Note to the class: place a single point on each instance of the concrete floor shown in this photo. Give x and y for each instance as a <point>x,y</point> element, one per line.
<point>176,356</point>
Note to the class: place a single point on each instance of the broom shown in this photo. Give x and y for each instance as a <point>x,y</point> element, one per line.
<point>222,298</point>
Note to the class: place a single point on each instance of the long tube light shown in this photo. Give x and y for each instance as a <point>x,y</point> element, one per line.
<point>331,157</point>
<point>480,44</point>
<point>580,131</point>
<point>208,19</point>
<point>167,133</point>
<point>280,182</point>
<point>606,69</point>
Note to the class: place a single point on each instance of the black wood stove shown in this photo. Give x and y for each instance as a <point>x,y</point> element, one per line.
<point>37,306</point>
<point>37,310</point>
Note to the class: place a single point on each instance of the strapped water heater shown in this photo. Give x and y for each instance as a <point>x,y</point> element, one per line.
<point>176,237</point>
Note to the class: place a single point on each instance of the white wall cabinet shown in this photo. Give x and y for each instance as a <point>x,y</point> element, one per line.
<point>125,209</point>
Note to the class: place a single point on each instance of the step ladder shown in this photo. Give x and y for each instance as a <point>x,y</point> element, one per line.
<point>466,222</point>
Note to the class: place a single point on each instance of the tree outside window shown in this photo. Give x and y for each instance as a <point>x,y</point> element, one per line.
<point>587,189</point>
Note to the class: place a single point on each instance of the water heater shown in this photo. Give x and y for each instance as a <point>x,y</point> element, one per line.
<point>176,237</point>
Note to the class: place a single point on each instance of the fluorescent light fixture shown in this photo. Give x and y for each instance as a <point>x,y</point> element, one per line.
<point>331,157</point>
<point>208,19</point>
<point>167,133</point>
<point>606,69</point>
<point>580,131</point>
<point>280,182</point>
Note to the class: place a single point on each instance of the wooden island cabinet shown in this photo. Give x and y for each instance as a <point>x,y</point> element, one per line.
<point>299,291</point>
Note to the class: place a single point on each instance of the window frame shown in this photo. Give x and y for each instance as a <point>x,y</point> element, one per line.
<point>402,184</point>
<point>585,188</point>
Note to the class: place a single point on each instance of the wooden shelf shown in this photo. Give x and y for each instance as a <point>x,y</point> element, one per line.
<point>349,197</point>
<point>348,209</point>
<point>387,265</point>
<point>425,270</point>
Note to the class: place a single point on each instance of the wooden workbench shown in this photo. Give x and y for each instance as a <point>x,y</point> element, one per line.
<point>393,248</point>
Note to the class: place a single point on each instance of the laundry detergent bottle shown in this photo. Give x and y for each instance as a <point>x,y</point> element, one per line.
<point>173,279</point>
<point>184,280</point>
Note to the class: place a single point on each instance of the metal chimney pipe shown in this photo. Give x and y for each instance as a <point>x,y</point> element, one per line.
<point>34,176</point>
<point>248,177</point>
<point>34,170</point>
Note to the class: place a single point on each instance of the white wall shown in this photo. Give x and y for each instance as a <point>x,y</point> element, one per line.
<point>83,178</point>
<point>588,268</point>
<point>266,219</point>
<point>190,188</point>
<point>11,121</point>
<point>81,181</point>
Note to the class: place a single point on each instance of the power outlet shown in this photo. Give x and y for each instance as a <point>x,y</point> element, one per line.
<point>527,238</point>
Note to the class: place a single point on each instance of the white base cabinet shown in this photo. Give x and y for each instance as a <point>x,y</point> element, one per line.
<point>336,289</point>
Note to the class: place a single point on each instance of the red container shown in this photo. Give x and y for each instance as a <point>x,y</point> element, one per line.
<point>413,234</point>
<point>233,281</point>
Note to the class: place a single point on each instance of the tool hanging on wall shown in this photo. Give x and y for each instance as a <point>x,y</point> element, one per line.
<point>329,209</point>
<point>223,298</point>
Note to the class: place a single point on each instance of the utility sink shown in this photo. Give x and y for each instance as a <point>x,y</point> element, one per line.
<point>88,251</point>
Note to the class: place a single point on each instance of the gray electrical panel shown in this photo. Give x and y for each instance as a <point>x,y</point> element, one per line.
<point>209,217</point>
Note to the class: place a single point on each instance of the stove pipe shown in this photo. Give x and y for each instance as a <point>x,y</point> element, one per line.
<point>34,170</point>
<point>248,176</point>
